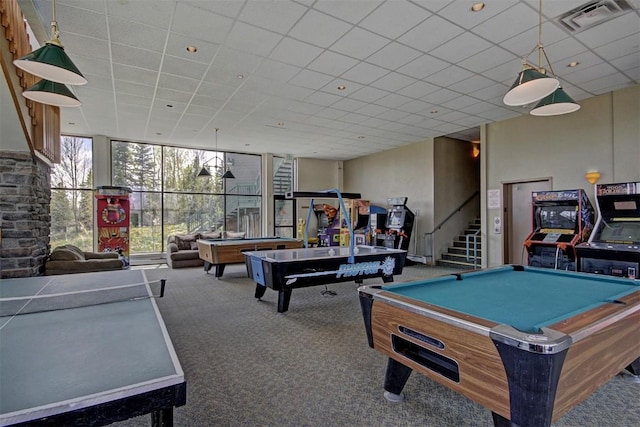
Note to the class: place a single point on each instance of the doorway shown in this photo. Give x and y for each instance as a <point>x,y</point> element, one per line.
<point>517,217</point>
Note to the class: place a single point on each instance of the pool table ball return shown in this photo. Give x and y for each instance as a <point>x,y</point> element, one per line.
<point>527,343</point>
<point>220,252</point>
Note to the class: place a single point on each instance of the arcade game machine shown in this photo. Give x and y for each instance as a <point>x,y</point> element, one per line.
<point>614,246</point>
<point>561,220</point>
<point>399,224</point>
<point>377,223</point>
<point>113,220</point>
<point>358,211</point>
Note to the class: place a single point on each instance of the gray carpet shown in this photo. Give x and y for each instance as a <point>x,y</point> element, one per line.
<point>245,365</point>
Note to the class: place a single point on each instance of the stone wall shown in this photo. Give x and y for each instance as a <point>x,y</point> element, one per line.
<point>25,195</point>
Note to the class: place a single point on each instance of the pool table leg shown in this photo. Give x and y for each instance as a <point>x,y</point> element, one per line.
<point>207,266</point>
<point>531,397</point>
<point>634,367</point>
<point>395,379</point>
<point>219,270</point>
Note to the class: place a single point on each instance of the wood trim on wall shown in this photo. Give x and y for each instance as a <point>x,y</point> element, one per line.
<point>40,123</point>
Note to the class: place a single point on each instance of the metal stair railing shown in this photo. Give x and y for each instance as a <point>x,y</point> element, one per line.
<point>430,234</point>
<point>475,247</point>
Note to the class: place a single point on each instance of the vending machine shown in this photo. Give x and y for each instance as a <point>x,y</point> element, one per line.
<point>113,215</point>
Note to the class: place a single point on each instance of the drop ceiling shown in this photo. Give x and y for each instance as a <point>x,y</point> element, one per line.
<point>267,72</point>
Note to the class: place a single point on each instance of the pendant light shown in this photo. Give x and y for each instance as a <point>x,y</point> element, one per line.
<point>533,84</point>
<point>51,93</point>
<point>50,61</point>
<point>205,173</point>
<point>559,102</point>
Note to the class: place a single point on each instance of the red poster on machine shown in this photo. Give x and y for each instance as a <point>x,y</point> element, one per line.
<point>113,220</point>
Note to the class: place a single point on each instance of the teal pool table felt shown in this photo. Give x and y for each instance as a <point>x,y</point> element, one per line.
<point>526,300</point>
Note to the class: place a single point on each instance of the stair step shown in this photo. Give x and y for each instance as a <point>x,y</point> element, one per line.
<point>458,257</point>
<point>456,264</point>
<point>462,251</point>
<point>462,243</point>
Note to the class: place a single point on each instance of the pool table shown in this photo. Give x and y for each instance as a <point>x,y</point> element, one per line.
<point>288,269</point>
<point>527,343</point>
<point>220,252</point>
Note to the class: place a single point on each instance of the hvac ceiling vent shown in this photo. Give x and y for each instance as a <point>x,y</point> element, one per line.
<point>593,13</point>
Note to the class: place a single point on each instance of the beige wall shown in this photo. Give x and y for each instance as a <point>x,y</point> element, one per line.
<point>406,171</point>
<point>604,135</point>
<point>316,175</point>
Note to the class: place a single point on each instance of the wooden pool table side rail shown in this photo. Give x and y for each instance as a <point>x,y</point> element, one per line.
<point>216,254</point>
<point>583,371</point>
<point>482,375</point>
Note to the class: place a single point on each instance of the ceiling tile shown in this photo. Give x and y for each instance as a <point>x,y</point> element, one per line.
<point>430,34</point>
<point>393,82</point>
<point>359,43</point>
<point>319,29</point>
<point>393,19</point>
<point>295,52</point>
<point>332,63</point>
<point>364,73</point>
<point>251,39</point>
<point>393,55</point>
<point>274,15</point>
<point>200,24</point>
<point>423,66</point>
<point>350,11</point>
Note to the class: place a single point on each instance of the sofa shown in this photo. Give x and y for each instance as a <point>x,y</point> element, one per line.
<point>68,259</point>
<point>182,249</point>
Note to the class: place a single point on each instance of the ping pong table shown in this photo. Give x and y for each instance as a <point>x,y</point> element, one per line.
<point>93,364</point>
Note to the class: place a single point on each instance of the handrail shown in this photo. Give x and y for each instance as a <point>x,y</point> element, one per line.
<point>475,247</point>
<point>439,226</point>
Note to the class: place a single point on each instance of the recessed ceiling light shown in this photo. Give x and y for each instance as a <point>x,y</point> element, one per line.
<point>342,87</point>
<point>434,111</point>
<point>573,64</point>
<point>158,133</point>
<point>192,49</point>
<point>247,145</point>
<point>240,76</point>
<point>361,137</point>
<point>72,123</point>
<point>477,7</point>
<point>280,123</point>
<point>169,106</point>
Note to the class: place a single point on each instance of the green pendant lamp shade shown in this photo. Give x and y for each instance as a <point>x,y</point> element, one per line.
<point>559,102</point>
<point>52,63</point>
<point>530,86</point>
<point>228,174</point>
<point>204,173</point>
<point>51,93</point>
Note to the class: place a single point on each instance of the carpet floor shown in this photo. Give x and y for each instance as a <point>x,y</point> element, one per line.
<point>245,365</point>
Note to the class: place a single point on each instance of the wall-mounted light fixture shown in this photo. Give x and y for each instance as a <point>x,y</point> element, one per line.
<point>592,177</point>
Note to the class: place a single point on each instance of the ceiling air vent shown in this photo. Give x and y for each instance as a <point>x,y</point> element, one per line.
<point>593,13</point>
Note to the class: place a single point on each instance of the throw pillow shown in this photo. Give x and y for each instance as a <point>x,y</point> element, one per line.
<point>211,235</point>
<point>194,246</point>
<point>234,234</point>
<point>183,241</point>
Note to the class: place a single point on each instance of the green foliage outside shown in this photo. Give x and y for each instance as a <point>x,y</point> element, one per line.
<point>165,193</point>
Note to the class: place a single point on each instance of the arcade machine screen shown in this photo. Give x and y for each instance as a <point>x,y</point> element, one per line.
<point>620,232</point>
<point>554,220</point>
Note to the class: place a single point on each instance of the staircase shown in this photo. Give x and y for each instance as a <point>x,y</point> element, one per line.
<point>456,255</point>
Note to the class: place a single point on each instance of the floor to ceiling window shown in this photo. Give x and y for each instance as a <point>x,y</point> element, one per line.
<point>72,194</point>
<point>285,209</point>
<point>168,195</point>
